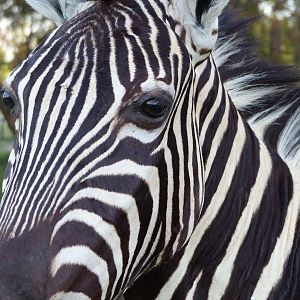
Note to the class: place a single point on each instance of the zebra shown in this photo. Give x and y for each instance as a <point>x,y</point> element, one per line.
<point>134,173</point>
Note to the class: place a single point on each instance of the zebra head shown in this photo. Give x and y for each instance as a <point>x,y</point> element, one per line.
<point>104,181</point>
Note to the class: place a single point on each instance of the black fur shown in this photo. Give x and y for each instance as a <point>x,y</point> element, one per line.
<point>201,8</point>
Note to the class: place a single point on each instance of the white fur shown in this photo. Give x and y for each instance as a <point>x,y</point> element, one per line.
<point>224,49</point>
<point>261,121</point>
<point>48,9</point>
<point>239,88</point>
<point>59,11</point>
<point>69,296</point>
<point>215,10</point>
<point>72,8</point>
<point>244,95</point>
<point>289,140</point>
<point>201,34</point>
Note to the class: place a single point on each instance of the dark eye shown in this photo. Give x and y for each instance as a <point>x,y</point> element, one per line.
<point>148,110</point>
<point>155,107</point>
<point>8,100</point>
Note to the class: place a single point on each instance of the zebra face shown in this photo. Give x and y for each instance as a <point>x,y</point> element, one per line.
<point>105,178</point>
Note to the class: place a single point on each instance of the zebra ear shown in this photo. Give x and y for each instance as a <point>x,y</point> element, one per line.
<point>49,9</point>
<point>208,11</point>
<point>59,11</point>
<point>200,20</point>
<point>71,8</point>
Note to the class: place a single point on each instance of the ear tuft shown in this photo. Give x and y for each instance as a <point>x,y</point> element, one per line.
<point>71,8</point>
<point>49,9</point>
<point>59,11</point>
<point>207,12</point>
<point>200,19</point>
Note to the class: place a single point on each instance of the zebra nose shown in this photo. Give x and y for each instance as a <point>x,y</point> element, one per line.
<point>14,285</point>
<point>11,289</point>
<point>24,262</point>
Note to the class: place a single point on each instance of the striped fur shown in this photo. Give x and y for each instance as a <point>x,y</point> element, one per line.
<point>246,243</point>
<point>87,160</point>
<point>113,201</point>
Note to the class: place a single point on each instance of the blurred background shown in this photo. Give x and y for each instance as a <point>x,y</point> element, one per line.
<point>277,31</point>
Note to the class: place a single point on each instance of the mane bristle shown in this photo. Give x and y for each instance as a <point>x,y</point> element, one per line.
<point>266,94</point>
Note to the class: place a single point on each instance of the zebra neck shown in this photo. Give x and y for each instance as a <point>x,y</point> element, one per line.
<point>245,245</point>
<point>247,231</point>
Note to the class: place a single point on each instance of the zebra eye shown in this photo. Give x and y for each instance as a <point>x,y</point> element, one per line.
<point>149,110</point>
<point>155,107</point>
<point>8,100</point>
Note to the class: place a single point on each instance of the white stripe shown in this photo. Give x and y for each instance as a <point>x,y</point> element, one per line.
<point>210,214</point>
<point>217,138</point>
<point>70,296</point>
<point>274,269</point>
<point>147,173</point>
<point>83,256</point>
<point>169,211</point>
<point>22,85</point>
<point>191,293</point>
<point>121,201</point>
<point>102,228</point>
<point>179,146</point>
<point>217,102</point>
<point>222,275</point>
<point>203,94</point>
<point>153,40</point>
<point>84,112</point>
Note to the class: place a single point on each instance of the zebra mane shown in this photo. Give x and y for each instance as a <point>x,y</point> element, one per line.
<point>59,11</point>
<point>265,94</point>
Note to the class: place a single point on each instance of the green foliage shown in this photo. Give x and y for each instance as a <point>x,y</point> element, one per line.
<point>278,29</point>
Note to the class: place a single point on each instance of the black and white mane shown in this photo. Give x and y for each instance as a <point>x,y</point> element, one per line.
<point>265,93</point>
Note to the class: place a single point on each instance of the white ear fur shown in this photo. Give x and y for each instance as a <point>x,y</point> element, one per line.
<point>59,11</point>
<point>71,8</point>
<point>204,34</point>
<point>49,9</point>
